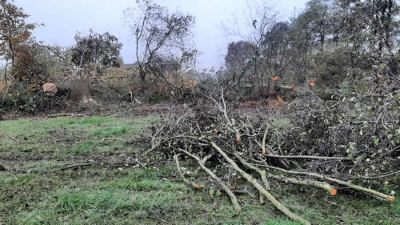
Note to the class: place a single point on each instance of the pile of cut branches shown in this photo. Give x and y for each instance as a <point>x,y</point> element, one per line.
<point>362,125</point>
<point>254,147</point>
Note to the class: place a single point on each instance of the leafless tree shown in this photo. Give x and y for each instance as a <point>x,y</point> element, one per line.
<point>158,34</point>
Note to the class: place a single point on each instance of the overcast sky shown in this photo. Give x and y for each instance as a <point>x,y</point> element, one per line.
<point>63,18</point>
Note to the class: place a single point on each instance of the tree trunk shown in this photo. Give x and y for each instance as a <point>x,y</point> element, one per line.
<point>5,72</point>
<point>12,53</point>
<point>142,74</point>
<point>78,89</point>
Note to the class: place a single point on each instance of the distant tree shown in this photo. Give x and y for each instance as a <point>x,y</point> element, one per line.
<point>100,50</point>
<point>259,18</point>
<point>158,34</point>
<point>378,18</point>
<point>277,49</point>
<point>166,65</point>
<point>319,15</point>
<point>36,63</point>
<point>29,65</point>
<point>238,54</point>
<point>238,60</point>
<point>273,38</point>
<point>13,29</point>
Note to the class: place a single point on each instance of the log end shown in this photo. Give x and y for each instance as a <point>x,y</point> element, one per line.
<point>391,199</point>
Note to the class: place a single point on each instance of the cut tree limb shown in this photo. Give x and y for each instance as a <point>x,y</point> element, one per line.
<point>261,172</point>
<point>261,189</point>
<point>322,185</point>
<point>348,184</point>
<point>264,151</point>
<point>186,181</point>
<point>217,179</point>
<point>308,157</point>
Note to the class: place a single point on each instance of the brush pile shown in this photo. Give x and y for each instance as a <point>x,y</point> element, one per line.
<point>330,145</point>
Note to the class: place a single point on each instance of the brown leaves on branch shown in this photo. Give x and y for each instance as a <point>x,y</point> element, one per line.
<point>13,29</point>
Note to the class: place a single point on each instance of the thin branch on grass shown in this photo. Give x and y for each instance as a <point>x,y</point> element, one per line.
<point>67,115</point>
<point>348,184</point>
<point>76,166</point>
<point>115,139</point>
<point>217,179</point>
<point>322,185</point>
<point>261,172</point>
<point>186,181</point>
<point>261,189</point>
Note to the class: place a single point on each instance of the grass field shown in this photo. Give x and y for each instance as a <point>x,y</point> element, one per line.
<point>63,171</point>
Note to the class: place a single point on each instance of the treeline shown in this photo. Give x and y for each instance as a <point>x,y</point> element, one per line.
<point>330,42</point>
<point>333,43</point>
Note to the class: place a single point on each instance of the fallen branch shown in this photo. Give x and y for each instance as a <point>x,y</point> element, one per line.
<point>348,184</point>
<point>155,143</point>
<point>322,185</point>
<point>244,191</point>
<point>186,181</point>
<point>116,139</point>
<point>382,175</point>
<point>67,115</point>
<point>264,151</point>
<point>76,166</point>
<point>217,179</point>
<point>308,157</point>
<point>112,165</point>
<point>261,172</point>
<point>261,189</point>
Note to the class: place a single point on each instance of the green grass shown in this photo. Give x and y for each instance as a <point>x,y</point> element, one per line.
<point>35,189</point>
<point>63,137</point>
<point>112,131</point>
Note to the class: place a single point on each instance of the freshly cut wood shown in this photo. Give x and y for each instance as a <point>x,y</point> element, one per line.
<point>76,90</point>
<point>345,183</point>
<point>322,185</point>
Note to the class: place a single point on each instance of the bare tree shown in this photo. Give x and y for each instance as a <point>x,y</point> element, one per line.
<point>258,20</point>
<point>275,46</point>
<point>158,34</point>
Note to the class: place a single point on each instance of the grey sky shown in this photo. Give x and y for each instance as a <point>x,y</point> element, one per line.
<point>63,18</point>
